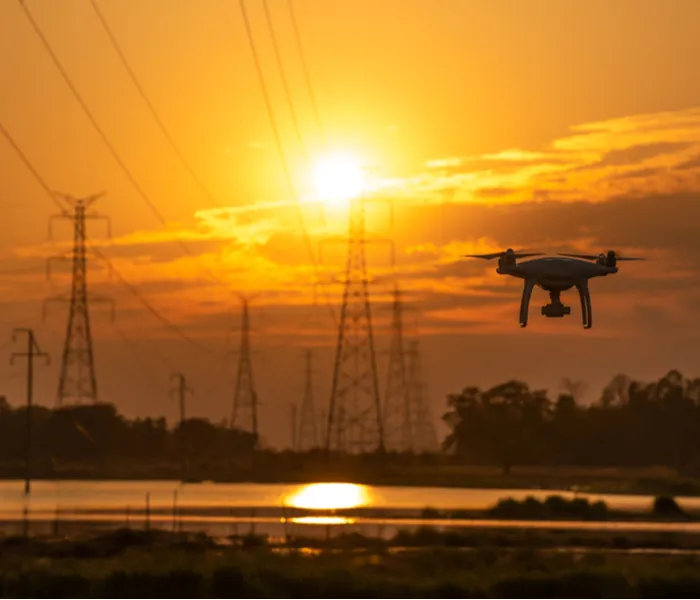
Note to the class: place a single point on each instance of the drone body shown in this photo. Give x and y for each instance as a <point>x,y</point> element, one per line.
<point>556,274</point>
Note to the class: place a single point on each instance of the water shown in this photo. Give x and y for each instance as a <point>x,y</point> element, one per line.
<point>47,495</point>
<point>222,509</point>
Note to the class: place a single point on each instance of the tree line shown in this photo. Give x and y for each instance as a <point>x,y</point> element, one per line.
<point>98,437</point>
<point>631,424</point>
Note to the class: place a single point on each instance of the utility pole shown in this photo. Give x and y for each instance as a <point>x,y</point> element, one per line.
<point>181,390</point>
<point>354,413</point>
<point>245,400</point>
<point>33,351</point>
<point>78,381</point>
<point>293,418</point>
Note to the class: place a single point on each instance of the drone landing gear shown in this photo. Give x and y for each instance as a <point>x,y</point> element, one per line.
<point>586,310</point>
<point>555,309</point>
<point>525,301</point>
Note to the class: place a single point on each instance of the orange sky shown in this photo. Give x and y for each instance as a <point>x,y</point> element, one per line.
<point>549,125</point>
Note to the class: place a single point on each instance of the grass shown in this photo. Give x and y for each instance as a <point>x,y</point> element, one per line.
<point>131,564</point>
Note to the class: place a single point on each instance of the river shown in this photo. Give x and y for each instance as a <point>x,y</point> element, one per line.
<point>76,494</point>
<point>213,505</point>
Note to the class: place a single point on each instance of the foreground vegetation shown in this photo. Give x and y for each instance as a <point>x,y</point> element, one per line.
<point>557,508</point>
<point>152,564</point>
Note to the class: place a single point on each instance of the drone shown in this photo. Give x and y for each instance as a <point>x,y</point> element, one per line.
<point>555,274</point>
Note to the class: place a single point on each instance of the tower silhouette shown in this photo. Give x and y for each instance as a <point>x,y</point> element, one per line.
<point>424,437</point>
<point>77,382</point>
<point>180,392</point>
<point>245,400</point>
<point>354,415</point>
<point>307,437</point>
<point>396,407</point>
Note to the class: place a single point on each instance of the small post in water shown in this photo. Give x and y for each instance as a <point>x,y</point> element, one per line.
<point>175,522</point>
<point>285,523</point>
<point>25,517</point>
<point>57,517</point>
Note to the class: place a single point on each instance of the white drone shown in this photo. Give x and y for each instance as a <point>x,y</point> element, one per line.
<point>555,274</point>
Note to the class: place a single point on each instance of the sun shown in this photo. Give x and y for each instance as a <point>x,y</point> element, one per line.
<point>338,178</point>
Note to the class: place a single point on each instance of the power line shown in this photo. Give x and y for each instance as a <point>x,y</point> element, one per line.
<point>105,139</point>
<point>154,113</point>
<point>30,166</point>
<point>285,84</point>
<point>305,68</point>
<point>290,102</point>
<point>167,322</point>
<point>280,148</point>
<point>42,183</point>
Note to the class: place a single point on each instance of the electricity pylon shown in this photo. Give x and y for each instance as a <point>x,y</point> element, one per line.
<point>354,414</point>
<point>180,392</point>
<point>397,408</point>
<point>307,436</point>
<point>424,437</point>
<point>78,381</point>
<point>245,399</point>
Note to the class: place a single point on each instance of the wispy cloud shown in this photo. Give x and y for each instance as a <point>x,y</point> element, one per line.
<point>626,183</point>
<point>597,161</point>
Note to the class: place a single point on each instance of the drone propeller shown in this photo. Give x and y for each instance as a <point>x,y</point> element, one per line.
<point>611,254</point>
<point>509,252</point>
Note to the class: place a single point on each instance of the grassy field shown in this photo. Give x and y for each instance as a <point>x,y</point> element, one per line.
<point>153,564</point>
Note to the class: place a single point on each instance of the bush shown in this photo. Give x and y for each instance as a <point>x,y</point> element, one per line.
<point>554,507</point>
<point>667,507</point>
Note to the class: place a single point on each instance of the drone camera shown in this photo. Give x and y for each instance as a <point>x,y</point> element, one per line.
<point>554,311</point>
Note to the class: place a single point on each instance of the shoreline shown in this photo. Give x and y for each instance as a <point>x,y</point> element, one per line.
<point>540,484</point>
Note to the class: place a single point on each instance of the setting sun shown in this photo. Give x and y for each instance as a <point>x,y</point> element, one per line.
<point>338,178</point>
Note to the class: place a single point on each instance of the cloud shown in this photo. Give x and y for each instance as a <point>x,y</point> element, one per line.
<point>642,152</point>
<point>630,184</point>
<point>601,160</point>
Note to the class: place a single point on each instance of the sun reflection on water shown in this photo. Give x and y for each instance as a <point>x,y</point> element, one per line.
<point>330,496</point>
<point>322,520</point>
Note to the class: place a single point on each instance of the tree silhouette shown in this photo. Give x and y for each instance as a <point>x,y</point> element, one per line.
<point>632,424</point>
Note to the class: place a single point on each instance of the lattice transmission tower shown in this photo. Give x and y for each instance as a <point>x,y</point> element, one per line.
<point>424,436</point>
<point>245,399</point>
<point>78,382</point>
<point>307,433</point>
<point>354,415</point>
<point>397,406</point>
